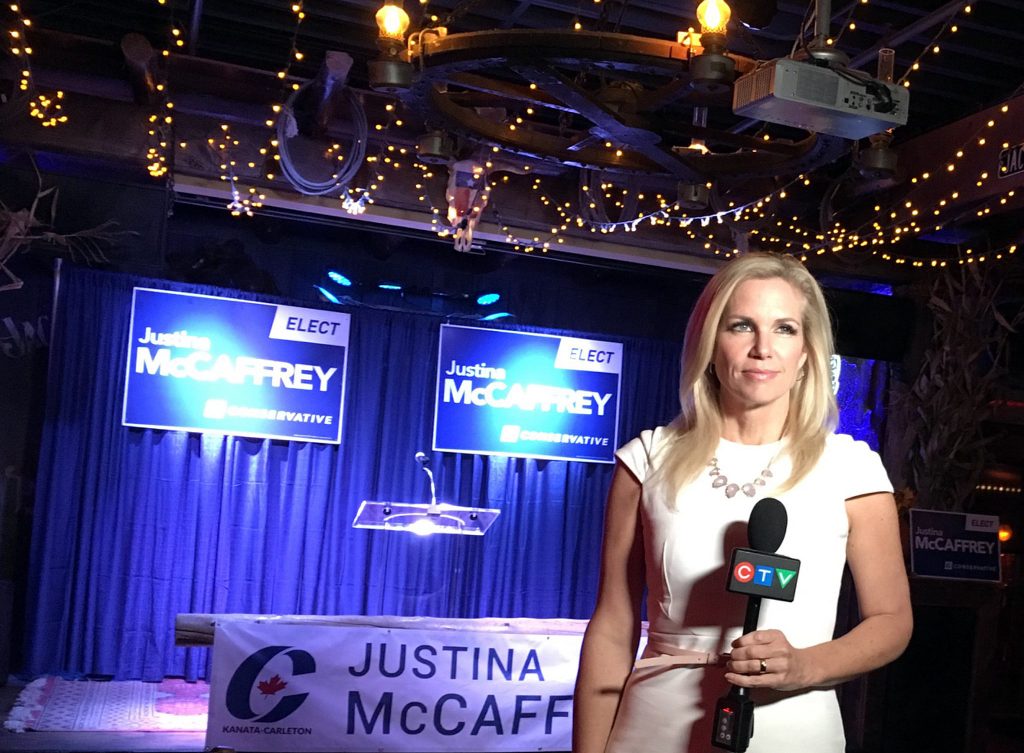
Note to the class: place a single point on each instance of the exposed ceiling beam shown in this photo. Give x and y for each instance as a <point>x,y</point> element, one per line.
<point>924,23</point>
<point>190,186</point>
<point>193,29</point>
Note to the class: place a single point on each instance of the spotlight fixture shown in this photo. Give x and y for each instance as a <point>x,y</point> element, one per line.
<point>880,161</point>
<point>435,148</point>
<point>495,316</point>
<point>327,294</point>
<point>389,286</point>
<point>339,279</point>
<point>486,299</point>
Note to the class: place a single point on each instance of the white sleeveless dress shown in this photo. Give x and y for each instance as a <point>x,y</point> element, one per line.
<point>687,551</point>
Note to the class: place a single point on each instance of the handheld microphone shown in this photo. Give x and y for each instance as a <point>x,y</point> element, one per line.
<point>759,573</point>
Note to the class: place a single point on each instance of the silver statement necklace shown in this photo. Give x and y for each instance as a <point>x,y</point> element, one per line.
<point>720,480</point>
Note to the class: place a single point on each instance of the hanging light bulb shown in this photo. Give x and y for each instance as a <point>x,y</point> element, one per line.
<point>713,16</point>
<point>392,72</point>
<point>392,21</point>
<point>712,71</point>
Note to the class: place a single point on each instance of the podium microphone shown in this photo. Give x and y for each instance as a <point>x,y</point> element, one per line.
<point>760,574</point>
<point>424,460</point>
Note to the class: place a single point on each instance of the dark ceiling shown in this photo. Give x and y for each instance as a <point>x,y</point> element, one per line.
<point>978,65</point>
<point>232,51</point>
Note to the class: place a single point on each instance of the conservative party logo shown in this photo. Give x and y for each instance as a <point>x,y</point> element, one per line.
<point>273,700</point>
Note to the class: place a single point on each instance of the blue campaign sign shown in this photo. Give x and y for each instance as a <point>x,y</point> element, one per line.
<point>527,395</point>
<point>208,364</point>
<point>954,545</point>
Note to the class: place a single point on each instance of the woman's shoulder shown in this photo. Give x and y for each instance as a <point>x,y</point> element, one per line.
<point>853,467</point>
<point>850,457</point>
<point>841,445</point>
<point>641,452</point>
<point>648,440</point>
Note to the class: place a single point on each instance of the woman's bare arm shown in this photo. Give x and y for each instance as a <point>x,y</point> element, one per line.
<point>612,637</point>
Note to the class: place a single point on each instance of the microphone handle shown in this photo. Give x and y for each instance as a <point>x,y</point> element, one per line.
<point>753,612</point>
<point>749,626</point>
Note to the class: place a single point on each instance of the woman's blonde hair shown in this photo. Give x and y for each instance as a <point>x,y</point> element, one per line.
<point>694,434</point>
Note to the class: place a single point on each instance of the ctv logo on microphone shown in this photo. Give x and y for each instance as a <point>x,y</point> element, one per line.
<point>762,574</point>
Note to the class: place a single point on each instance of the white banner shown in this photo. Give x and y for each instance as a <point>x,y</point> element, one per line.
<point>329,688</point>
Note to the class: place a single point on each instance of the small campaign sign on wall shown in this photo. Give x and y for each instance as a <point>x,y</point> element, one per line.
<point>954,545</point>
<point>527,395</point>
<point>209,364</point>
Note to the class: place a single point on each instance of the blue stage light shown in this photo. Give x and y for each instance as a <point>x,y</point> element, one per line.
<point>339,278</point>
<point>487,299</point>
<point>496,315</point>
<point>389,286</point>
<point>327,294</point>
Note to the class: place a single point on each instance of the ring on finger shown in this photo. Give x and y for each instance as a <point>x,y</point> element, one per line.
<point>764,667</point>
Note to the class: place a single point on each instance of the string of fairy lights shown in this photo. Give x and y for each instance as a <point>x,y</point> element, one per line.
<point>160,119</point>
<point>909,219</point>
<point>45,109</point>
<point>226,148</point>
<point>222,148</point>
<point>269,153</point>
<point>933,47</point>
<point>760,219</point>
<point>794,239</point>
<point>354,199</point>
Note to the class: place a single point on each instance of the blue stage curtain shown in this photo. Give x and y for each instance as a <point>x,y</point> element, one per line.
<point>134,526</point>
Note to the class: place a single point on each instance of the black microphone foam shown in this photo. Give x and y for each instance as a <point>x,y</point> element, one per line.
<point>767,526</point>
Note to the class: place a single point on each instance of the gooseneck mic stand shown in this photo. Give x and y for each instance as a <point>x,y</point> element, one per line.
<point>424,461</point>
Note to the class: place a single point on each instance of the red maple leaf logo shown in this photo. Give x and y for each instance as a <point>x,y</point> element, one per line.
<point>274,685</point>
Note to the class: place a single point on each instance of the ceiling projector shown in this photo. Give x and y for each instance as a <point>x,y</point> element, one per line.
<point>834,101</point>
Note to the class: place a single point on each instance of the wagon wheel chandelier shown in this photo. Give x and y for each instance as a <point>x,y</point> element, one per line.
<point>603,101</point>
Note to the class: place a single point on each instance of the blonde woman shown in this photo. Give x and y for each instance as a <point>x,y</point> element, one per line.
<point>757,419</point>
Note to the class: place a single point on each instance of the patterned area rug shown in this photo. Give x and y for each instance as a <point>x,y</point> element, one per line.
<point>51,704</point>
